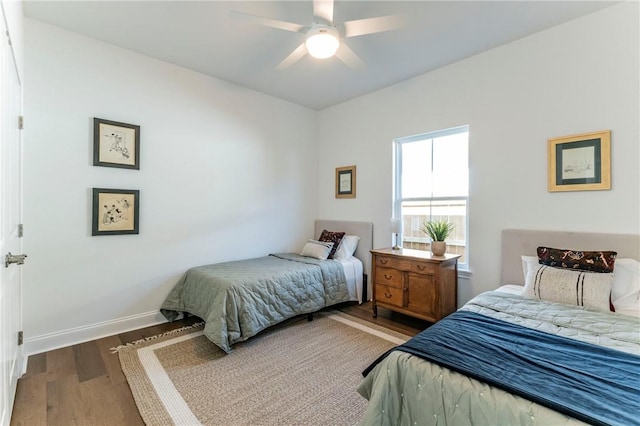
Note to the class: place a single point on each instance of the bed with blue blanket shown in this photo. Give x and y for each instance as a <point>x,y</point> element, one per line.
<point>506,358</point>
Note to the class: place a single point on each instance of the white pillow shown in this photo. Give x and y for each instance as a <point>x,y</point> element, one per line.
<point>625,291</point>
<point>578,288</point>
<point>347,247</point>
<point>528,262</point>
<point>317,249</point>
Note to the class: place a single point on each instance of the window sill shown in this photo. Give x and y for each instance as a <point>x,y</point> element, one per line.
<point>464,273</point>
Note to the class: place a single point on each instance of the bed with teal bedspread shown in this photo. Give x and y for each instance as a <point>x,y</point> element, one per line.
<point>404,389</point>
<point>239,299</point>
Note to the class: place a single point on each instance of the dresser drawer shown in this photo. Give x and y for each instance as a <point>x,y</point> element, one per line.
<point>392,262</point>
<point>424,268</point>
<point>389,295</point>
<point>389,277</point>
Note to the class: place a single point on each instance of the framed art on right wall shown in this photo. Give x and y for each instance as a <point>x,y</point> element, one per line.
<point>580,162</point>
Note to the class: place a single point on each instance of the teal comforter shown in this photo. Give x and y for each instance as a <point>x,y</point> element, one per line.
<point>239,299</point>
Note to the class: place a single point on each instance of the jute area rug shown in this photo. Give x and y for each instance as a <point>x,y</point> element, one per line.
<point>297,373</point>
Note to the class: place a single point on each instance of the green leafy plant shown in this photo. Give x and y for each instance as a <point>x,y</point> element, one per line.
<point>438,230</point>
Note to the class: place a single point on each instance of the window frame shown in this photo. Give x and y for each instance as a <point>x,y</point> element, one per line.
<point>397,178</point>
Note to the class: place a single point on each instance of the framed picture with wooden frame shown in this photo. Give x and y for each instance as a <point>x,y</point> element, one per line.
<point>346,182</point>
<point>580,162</point>
<point>116,144</point>
<point>115,211</point>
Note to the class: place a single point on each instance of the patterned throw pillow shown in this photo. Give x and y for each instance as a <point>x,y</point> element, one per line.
<point>593,261</point>
<point>331,237</point>
<point>578,288</point>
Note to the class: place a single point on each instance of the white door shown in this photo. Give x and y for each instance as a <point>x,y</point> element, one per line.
<point>10,219</point>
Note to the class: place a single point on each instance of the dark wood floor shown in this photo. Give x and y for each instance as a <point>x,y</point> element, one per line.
<point>84,385</point>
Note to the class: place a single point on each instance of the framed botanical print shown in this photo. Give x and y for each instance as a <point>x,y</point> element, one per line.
<point>116,144</point>
<point>346,182</point>
<point>115,211</point>
<point>580,162</point>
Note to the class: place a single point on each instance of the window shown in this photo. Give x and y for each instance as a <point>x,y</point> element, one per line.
<point>432,183</point>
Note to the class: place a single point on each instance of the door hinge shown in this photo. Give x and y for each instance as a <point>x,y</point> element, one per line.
<point>20,337</point>
<point>20,230</point>
<point>21,122</point>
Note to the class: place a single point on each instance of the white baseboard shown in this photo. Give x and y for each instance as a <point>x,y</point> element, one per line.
<point>59,339</point>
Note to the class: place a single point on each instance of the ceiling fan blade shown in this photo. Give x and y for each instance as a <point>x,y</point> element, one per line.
<point>273,23</point>
<point>349,57</point>
<point>293,57</point>
<point>373,25</point>
<point>323,9</point>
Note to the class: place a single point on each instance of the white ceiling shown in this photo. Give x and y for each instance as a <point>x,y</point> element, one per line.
<point>202,36</point>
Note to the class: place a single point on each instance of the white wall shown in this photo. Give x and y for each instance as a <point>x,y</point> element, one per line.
<point>579,77</point>
<point>226,173</point>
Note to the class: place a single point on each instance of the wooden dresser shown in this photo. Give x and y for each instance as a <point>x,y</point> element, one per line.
<point>415,283</point>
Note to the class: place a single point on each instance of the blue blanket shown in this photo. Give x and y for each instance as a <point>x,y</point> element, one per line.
<point>591,383</point>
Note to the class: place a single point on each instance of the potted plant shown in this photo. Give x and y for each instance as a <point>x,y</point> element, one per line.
<point>438,231</point>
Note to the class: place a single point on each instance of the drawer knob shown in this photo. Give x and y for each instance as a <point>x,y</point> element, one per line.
<point>388,295</point>
<point>388,277</point>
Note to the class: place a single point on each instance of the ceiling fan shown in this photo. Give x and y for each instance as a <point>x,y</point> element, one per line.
<point>323,36</point>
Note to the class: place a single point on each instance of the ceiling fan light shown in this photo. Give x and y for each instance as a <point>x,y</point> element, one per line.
<point>322,42</point>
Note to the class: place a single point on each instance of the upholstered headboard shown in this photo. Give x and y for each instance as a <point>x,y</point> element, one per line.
<point>517,242</point>
<point>362,229</point>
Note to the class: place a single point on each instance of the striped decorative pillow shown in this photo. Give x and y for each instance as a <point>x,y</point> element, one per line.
<point>579,288</point>
<point>316,249</point>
